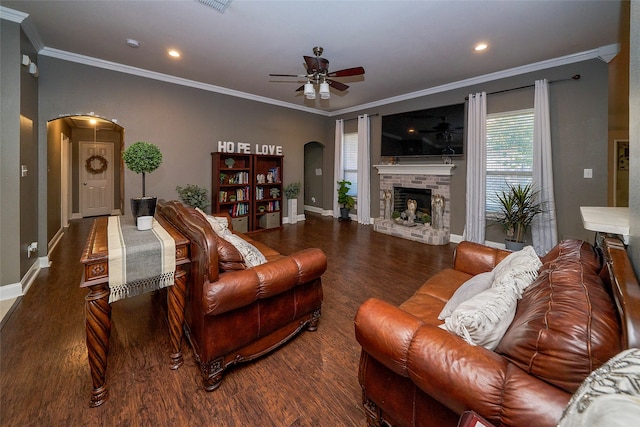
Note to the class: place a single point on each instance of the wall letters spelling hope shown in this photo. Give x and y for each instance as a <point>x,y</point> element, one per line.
<point>245,148</point>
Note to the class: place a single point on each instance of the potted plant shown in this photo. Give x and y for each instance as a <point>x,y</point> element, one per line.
<point>345,201</point>
<point>291,192</point>
<point>518,206</point>
<point>194,196</point>
<point>142,157</point>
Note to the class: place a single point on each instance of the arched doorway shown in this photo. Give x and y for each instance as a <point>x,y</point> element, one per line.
<point>84,164</point>
<point>313,174</point>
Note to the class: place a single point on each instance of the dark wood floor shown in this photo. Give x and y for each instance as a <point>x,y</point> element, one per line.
<point>312,381</point>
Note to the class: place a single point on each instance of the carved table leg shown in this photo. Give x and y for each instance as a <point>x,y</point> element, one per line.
<point>175,309</point>
<point>98,327</point>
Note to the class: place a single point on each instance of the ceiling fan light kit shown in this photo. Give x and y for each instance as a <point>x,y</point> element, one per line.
<point>318,74</point>
<point>309,91</point>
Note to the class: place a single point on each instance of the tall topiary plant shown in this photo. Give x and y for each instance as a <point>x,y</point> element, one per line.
<point>142,157</point>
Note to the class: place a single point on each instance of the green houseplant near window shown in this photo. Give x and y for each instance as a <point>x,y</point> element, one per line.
<point>345,201</point>
<point>518,207</point>
<point>142,157</point>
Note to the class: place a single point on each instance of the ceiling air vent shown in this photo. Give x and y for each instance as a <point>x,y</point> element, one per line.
<point>219,5</point>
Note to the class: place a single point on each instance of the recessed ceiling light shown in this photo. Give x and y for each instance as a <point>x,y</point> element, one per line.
<point>480,47</point>
<point>174,53</point>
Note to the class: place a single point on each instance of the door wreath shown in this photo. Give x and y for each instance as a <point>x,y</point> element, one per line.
<point>96,171</point>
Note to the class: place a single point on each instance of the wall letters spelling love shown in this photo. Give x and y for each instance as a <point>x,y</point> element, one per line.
<point>245,148</point>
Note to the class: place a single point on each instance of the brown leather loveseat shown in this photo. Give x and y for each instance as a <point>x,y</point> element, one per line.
<point>235,313</point>
<point>582,309</point>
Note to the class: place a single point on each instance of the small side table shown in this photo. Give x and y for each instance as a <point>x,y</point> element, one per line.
<point>98,310</point>
<point>606,220</point>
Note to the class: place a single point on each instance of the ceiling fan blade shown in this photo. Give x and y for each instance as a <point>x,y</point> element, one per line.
<point>337,85</point>
<point>355,71</point>
<point>287,75</point>
<point>300,89</point>
<point>316,64</point>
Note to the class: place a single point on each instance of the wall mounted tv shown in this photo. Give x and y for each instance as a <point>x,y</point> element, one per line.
<point>433,132</point>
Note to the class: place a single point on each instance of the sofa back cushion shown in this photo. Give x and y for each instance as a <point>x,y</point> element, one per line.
<point>565,324</point>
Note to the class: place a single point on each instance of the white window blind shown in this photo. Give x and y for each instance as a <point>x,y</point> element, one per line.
<point>509,153</point>
<point>350,161</point>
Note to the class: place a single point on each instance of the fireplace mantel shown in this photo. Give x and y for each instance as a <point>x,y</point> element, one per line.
<point>416,169</point>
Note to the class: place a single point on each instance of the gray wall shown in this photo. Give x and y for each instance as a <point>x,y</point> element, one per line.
<point>185,123</point>
<point>578,131</point>
<point>313,183</point>
<point>19,119</point>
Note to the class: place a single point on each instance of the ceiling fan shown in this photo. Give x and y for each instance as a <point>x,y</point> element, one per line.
<point>318,74</point>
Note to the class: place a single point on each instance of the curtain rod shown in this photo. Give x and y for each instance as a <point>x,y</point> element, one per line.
<point>575,77</point>
<point>355,118</point>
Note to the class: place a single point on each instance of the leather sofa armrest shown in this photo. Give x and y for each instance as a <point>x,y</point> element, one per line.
<point>473,258</point>
<point>385,332</point>
<point>458,375</point>
<point>240,288</point>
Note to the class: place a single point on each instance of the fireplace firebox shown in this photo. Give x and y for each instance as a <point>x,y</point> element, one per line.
<point>420,195</point>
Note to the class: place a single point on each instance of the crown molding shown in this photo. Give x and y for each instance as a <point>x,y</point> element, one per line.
<point>601,53</point>
<point>12,15</point>
<point>114,66</point>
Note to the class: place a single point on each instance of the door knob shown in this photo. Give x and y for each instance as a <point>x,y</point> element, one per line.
<point>84,183</point>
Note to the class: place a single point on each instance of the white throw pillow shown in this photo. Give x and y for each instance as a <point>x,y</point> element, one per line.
<point>518,270</point>
<point>484,318</point>
<point>250,254</point>
<point>472,287</point>
<point>609,396</point>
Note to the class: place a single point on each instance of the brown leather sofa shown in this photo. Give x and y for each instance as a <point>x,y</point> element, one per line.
<point>583,308</point>
<point>234,313</point>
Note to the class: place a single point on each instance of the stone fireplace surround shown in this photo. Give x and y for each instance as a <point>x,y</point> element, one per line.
<point>435,177</point>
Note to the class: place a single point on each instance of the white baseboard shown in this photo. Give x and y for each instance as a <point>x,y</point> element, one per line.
<point>76,215</point>
<point>299,218</point>
<point>457,238</point>
<point>55,240</point>
<point>16,290</point>
<point>11,291</point>
<point>318,210</point>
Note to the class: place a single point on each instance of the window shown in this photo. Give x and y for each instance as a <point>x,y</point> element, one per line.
<point>509,153</point>
<point>350,161</point>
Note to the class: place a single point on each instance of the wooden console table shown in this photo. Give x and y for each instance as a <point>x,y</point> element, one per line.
<point>98,310</point>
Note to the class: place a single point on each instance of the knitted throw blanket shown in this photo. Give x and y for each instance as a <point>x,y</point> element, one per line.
<point>139,261</point>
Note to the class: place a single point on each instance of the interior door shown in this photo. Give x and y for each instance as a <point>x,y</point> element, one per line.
<point>96,178</point>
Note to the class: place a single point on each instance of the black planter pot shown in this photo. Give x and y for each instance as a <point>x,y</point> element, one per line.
<point>143,206</point>
<point>344,214</point>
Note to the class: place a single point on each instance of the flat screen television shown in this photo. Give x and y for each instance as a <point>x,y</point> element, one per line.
<point>433,132</point>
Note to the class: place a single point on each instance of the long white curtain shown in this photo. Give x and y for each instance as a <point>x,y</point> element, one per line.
<point>364,171</point>
<point>475,220</point>
<point>544,230</point>
<point>338,170</point>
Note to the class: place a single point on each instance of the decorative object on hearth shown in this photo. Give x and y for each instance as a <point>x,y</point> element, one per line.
<point>387,204</point>
<point>412,205</point>
<point>437,211</point>
<point>318,75</point>
<point>518,206</point>
<point>142,157</point>
<point>89,164</point>
<point>194,196</point>
<point>345,201</point>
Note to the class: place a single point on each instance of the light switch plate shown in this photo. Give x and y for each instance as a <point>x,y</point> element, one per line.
<point>588,173</point>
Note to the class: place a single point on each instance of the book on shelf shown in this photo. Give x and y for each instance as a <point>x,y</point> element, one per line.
<point>275,173</point>
<point>239,209</point>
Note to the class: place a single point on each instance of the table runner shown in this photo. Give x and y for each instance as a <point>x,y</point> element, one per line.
<point>139,261</point>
